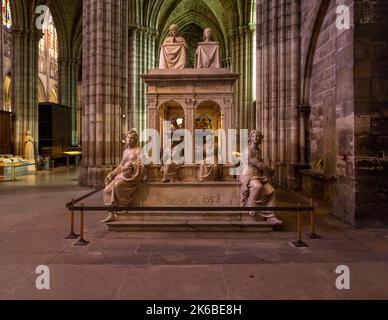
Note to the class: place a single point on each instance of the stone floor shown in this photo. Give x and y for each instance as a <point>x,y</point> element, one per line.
<point>34,222</point>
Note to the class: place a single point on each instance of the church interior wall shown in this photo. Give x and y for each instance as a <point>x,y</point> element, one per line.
<point>320,95</point>
<point>371,114</point>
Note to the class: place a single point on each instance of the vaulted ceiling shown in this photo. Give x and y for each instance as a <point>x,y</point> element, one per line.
<point>221,15</point>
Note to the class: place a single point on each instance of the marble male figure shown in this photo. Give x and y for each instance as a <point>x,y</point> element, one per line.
<point>173,53</point>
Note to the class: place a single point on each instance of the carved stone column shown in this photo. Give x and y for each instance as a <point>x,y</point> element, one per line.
<point>105,84</point>
<point>68,79</point>
<point>241,40</point>
<point>142,58</point>
<point>24,85</point>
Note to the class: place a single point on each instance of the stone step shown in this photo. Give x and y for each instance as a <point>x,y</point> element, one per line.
<point>194,223</point>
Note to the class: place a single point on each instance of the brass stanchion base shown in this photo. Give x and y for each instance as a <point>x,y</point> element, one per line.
<point>313,235</point>
<point>299,244</point>
<point>72,236</point>
<point>82,243</point>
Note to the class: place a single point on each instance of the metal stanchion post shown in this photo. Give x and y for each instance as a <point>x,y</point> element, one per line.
<point>82,242</point>
<point>312,234</point>
<point>72,234</point>
<point>299,243</point>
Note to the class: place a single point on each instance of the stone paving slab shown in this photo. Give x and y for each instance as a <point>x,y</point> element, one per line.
<point>175,265</point>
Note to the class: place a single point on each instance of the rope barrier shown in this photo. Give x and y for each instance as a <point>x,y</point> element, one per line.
<point>71,206</point>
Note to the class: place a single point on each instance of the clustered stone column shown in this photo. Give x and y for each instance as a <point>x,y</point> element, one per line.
<point>278,87</point>
<point>105,87</point>
<point>241,40</point>
<point>142,58</point>
<point>68,79</point>
<point>24,85</point>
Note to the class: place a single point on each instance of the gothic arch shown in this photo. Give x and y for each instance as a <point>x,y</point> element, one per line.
<point>312,38</point>
<point>201,21</point>
<point>57,13</point>
<point>19,15</point>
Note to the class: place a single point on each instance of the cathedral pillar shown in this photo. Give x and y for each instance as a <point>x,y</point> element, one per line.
<point>105,85</point>
<point>294,160</point>
<point>241,40</point>
<point>24,86</point>
<point>142,58</point>
<point>295,79</point>
<point>68,78</point>
<point>274,98</point>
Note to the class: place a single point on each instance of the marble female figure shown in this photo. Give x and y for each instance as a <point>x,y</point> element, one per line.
<point>257,190</point>
<point>123,182</point>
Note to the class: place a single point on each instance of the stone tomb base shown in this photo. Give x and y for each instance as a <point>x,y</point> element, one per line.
<point>189,194</point>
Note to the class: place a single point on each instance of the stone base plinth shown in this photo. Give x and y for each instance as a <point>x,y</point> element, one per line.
<point>189,194</point>
<point>183,224</point>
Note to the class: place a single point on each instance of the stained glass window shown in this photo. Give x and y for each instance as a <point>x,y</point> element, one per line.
<point>50,37</point>
<point>6,10</point>
<point>48,47</point>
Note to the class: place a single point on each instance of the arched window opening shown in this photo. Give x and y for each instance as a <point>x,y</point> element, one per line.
<point>48,48</point>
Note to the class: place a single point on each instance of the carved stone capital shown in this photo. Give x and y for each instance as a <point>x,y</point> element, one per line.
<point>191,103</point>
<point>152,103</point>
<point>228,102</point>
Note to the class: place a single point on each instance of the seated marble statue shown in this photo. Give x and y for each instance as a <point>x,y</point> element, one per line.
<point>173,53</point>
<point>256,189</point>
<point>208,52</point>
<point>209,168</point>
<point>170,171</point>
<point>123,182</point>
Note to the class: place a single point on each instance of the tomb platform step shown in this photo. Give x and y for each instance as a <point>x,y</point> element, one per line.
<point>190,222</point>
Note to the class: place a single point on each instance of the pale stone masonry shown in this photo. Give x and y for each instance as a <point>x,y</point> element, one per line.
<point>105,86</point>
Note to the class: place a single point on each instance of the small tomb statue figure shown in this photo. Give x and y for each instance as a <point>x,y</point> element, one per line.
<point>209,169</point>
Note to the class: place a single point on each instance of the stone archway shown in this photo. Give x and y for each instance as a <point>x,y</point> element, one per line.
<point>208,116</point>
